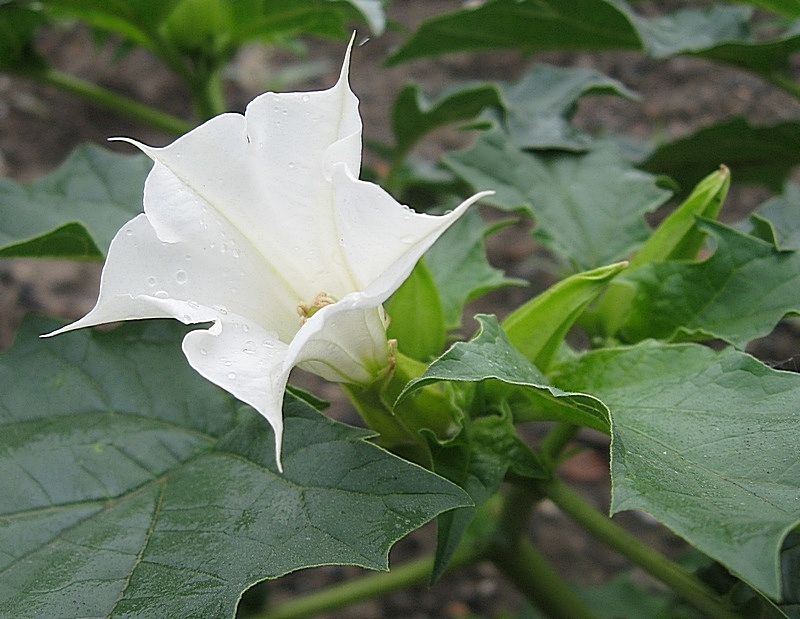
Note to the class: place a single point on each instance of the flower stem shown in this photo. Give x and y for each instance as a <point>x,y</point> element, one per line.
<point>367,587</point>
<point>522,563</point>
<point>679,579</point>
<point>111,100</point>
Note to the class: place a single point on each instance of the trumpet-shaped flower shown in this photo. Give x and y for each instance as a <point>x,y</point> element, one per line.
<point>259,224</point>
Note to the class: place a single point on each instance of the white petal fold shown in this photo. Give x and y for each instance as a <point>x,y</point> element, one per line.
<point>259,224</point>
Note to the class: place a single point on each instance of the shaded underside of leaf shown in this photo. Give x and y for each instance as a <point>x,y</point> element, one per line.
<point>706,442</point>
<point>762,155</point>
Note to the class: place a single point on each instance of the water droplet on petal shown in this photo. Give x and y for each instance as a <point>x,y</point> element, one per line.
<point>128,232</point>
<point>268,344</point>
<point>181,277</point>
<point>232,375</point>
<point>245,329</point>
<point>249,347</point>
<point>305,98</point>
<point>194,304</point>
<point>221,309</point>
<point>152,281</point>
<point>203,352</point>
<point>161,294</point>
<point>188,257</point>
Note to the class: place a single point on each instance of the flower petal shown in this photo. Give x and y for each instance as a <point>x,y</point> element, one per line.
<point>246,361</point>
<point>343,345</point>
<point>382,239</point>
<point>266,173</point>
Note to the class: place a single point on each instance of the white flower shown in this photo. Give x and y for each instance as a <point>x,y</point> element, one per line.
<point>258,223</point>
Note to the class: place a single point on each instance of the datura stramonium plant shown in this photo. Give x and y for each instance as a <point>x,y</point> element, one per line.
<point>259,224</point>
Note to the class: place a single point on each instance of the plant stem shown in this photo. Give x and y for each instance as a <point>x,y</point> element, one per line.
<point>111,100</point>
<point>367,587</point>
<point>523,564</point>
<point>207,94</point>
<point>679,579</point>
<point>556,439</point>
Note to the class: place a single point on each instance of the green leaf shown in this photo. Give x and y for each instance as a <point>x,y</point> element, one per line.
<point>537,328</point>
<point>489,356</point>
<point>414,116</point>
<point>75,211</point>
<point>763,155</point>
<point>782,215</point>
<point>477,460</point>
<point>459,266</point>
<point>529,25</point>
<point>788,8</point>
<point>706,442</point>
<point>589,208</point>
<point>416,316</point>
<point>677,237</point>
<point>738,294</point>
<point>539,107</point>
<point>135,487</point>
<point>692,30</point>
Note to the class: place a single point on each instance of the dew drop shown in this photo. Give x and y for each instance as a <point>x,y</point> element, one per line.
<point>181,277</point>
<point>128,232</point>
<point>221,309</point>
<point>268,344</point>
<point>305,98</point>
<point>187,319</point>
<point>203,352</point>
<point>226,362</point>
<point>232,375</point>
<point>245,329</point>
<point>235,252</point>
<point>194,304</point>
<point>152,281</point>
<point>249,347</point>
<point>161,294</point>
<point>291,165</point>
<point>188,257</point>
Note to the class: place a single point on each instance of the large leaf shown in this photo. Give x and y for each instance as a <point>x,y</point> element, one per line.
<point>491,358</point>
<point>782,215</point>
<point>538,108</point>
<point>706,442</point>
<point>523,24</point>
<point>763,155</point>
<point>75,211</point>
<point>414,115</point>
<point>589,208</point>
<point>135,488</point>
<point>459,266</point>
<point>738,294</point>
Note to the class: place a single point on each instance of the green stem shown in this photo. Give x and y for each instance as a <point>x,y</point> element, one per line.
<point>556,439</point>
<point>368,587</point>
<point>111,100</point>
<point>788,85</point>
<point>207,93</point>
<point>531,573</point>
<point>523,564</point>
<point>679,579</point>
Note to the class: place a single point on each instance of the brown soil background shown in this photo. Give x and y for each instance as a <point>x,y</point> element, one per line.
<point>39,126</point>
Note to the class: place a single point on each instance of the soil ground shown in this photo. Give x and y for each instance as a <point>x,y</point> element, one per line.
<point>39,126</point>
